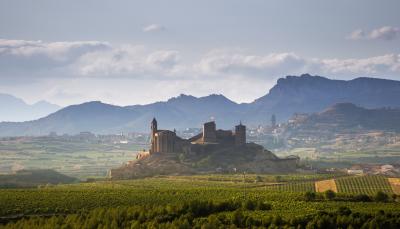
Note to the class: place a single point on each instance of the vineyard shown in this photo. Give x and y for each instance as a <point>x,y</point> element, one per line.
<point>307,186</point>
<point>363,185</point>
<point>170,190</point>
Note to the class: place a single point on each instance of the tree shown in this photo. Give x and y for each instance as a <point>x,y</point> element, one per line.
<point>362,198</point>
<point>343,210</point>
<point>238,218</point>
<point>309,196</point>
<point>250,205</point>
<point>329,194</point>
<point>381,197</point>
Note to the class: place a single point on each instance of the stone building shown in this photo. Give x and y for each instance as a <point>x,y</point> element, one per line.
<point>213,149</point>
<point>166,141</point>
<point>209,132</point>
<point>162,141</point>
<point>240,134</point>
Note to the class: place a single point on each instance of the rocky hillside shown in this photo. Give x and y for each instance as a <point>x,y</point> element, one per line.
<point>310,94</point>
<point>251,158</point>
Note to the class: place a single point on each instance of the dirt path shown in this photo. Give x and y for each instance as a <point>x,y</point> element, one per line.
<point>324,185</point>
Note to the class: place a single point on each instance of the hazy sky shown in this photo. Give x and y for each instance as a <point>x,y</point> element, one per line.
<point>137,52</point>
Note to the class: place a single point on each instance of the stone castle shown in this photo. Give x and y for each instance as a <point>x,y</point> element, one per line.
<point>166,141</point>
<point>210,151</point>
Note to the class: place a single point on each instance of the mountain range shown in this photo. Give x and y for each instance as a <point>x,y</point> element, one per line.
<point>15,109</point>
<point>347,117</point>
<point>290,95</point>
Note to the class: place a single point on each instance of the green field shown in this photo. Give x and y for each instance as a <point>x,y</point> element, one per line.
<point>59,204</point>
<point>286,198</point>
<point>75,158</point>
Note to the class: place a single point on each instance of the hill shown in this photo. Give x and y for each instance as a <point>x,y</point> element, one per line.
<point>347,117</point>
<point>178,112</point>
<point>250,158</point>
<point>310,94</point>
<point>33,178</point>
<point>15,109</point>
<point>292,94</point>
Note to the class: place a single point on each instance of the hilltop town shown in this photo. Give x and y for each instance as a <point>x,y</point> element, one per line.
<point>212,150</point>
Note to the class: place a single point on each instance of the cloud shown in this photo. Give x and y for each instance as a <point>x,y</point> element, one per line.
<point>279,64</point>
<point>384,33</point>
<point>19,56</point>
<point>129,61</point>
<point>238,64</point>
<point>356,35</point>
<point>21,61</point>
<point>153,28</point>
<point>380,65</point>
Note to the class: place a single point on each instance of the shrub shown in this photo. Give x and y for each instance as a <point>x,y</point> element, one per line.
<point>343,210</point>
<point>238,218</point>
<point>250,205</point>
<point>263,206</point>
<point>309,196</point>
<point>329,194</point>
<point>381,197</point>
<point>362,198</point>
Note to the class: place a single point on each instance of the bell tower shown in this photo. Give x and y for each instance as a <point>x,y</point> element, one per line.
<point>153,128</point>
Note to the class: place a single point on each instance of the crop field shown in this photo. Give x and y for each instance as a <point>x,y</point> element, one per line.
<point>307,186</point>
<point>325,185</point>
<point>395,184</point>
<point>363,185</point>
<point>284,199</point>
<point>162,190</point>
<point>74,158</point>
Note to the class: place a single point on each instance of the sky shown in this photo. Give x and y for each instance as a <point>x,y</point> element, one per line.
<point>137,52</point>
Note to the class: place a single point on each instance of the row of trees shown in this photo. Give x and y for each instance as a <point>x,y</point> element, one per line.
<point>138,215</point>
<point>331,195</point>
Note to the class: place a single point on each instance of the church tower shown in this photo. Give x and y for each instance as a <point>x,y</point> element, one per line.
<point>240,134</point>
<point>153,128</point>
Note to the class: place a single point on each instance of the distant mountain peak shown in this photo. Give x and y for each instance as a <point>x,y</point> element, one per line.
<point>341,108</point>
<point>181,97</point>
<point>215,96</point>
<point>190,98</point>
<point>16,109</point>
<point>305,76</point>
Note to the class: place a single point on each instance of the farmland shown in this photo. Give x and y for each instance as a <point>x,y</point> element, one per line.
<point>363,185</point>
<point>286,197</point>
<point>73,157</point>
